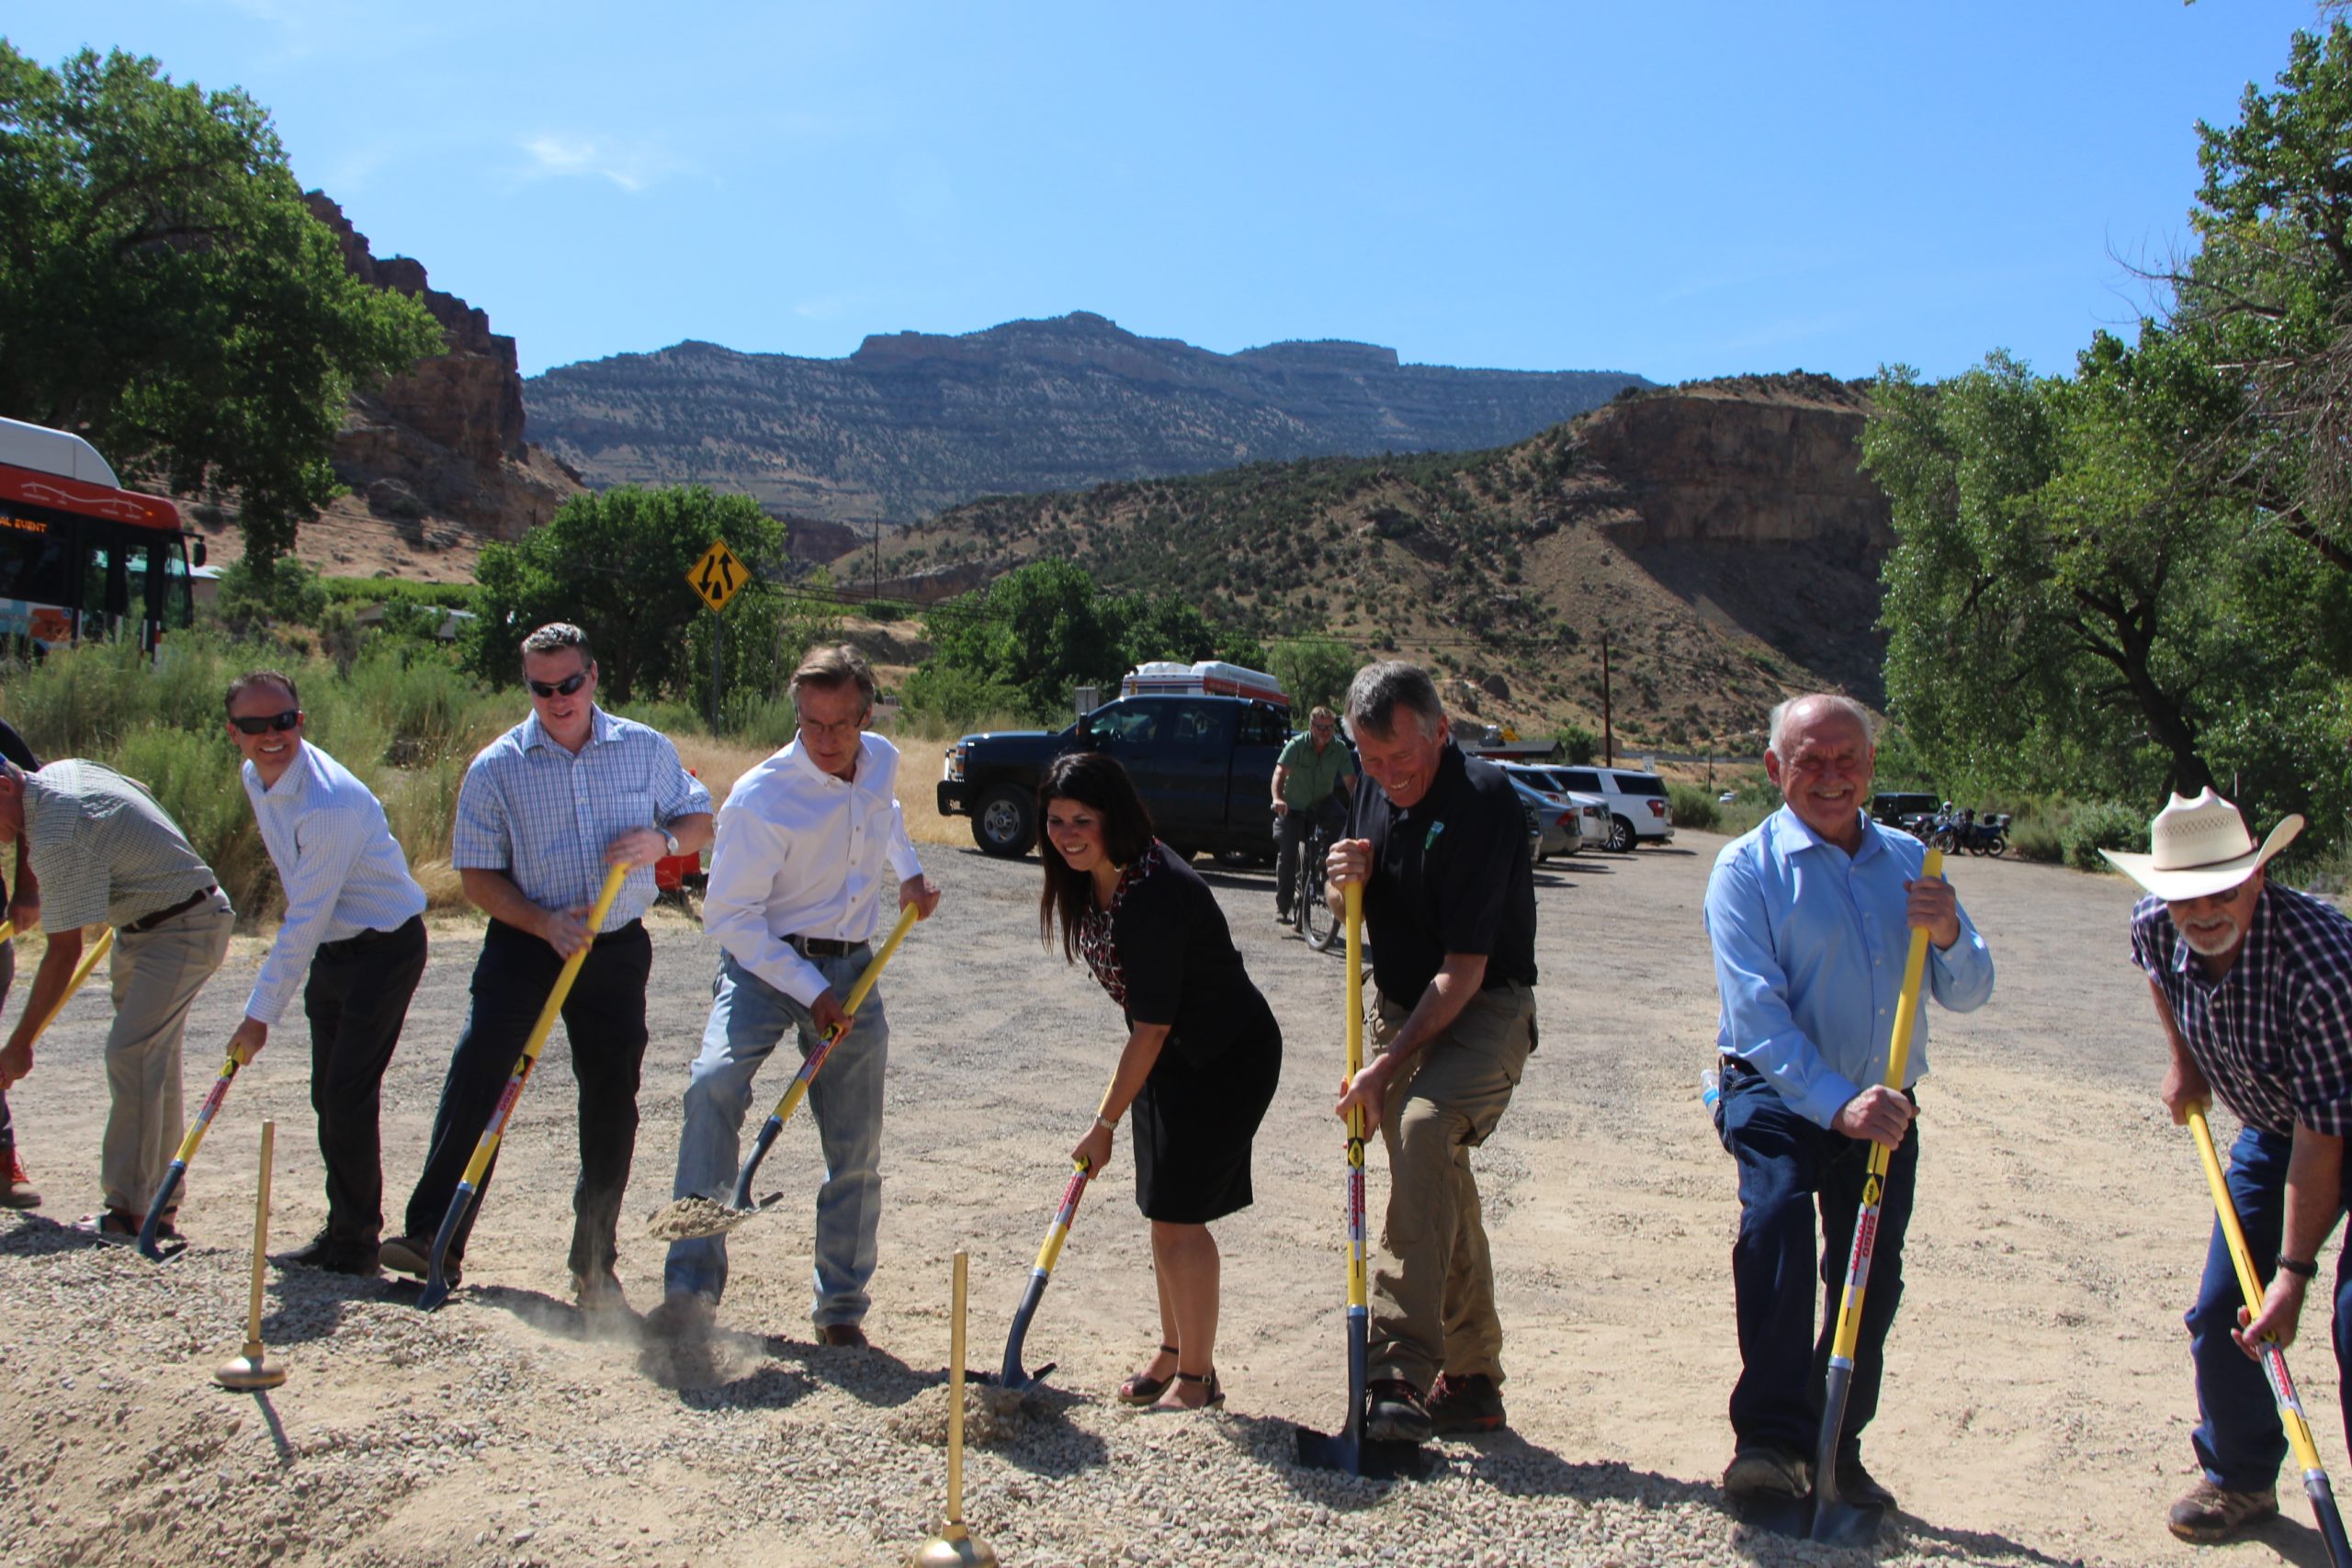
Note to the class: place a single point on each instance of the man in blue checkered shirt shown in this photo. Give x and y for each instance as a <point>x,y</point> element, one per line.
<point>545,808</point>
<point>2253,985</point>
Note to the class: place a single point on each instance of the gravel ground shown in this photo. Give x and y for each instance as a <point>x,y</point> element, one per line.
<point>2037,1403</point>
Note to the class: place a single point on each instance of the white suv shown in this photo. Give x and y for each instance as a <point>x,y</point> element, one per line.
<point>1637,802</point>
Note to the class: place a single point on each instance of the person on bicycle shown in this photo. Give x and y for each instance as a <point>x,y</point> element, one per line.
<point>1314,779</point>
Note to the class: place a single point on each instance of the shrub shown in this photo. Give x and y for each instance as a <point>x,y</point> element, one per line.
<point>1693,808</point>
<point>1577,744</point>
<point>2100,825</point>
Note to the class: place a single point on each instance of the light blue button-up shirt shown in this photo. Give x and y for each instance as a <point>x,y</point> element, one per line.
<point>1809,950</point>
<point>543,815</point>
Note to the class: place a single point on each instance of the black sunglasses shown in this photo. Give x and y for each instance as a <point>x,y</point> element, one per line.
<point>562,688</point>
<point>268,722</point>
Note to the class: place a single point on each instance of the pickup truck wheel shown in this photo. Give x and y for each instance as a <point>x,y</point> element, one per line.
<point>1621,836</point>
<point>1004,822</point>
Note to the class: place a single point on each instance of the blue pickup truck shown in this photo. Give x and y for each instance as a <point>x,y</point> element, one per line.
<point>1202,765</point>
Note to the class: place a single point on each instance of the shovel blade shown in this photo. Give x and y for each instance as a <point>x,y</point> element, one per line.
<point>1373,1460</point>
<point>1011,1375</point>
<point>1836,1523</point>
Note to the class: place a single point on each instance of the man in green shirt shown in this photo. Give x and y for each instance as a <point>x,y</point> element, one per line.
<point>1313,777</point>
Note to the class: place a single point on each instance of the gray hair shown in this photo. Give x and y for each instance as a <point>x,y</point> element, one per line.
<point>1834,700</point>
<point>557,636</point>
<point>830,669</point>
<point>1379,690</point>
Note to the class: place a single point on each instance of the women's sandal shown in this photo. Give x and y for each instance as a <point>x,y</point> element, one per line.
<point>1216,1399</point>
<point>1143,1388</point>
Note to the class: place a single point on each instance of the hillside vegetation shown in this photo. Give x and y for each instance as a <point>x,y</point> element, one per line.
<point>1718,582</point>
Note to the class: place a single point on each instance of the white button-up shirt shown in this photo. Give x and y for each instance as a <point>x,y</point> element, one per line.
<point>801,853</point>
<point>341,869</point>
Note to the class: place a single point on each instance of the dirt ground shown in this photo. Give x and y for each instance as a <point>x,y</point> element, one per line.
<point>2037,1405</point>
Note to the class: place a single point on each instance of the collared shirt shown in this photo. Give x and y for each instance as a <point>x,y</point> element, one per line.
<point>1311,778</point>
<point>544,816</point>
<point>1810,945</point>
<point>801,853</point>
<point>103,850</point>
<point>2273,1035</point>
<point>1450,873</point>
<point>341,869</point>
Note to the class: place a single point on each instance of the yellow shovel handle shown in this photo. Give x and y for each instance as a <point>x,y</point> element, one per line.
<point>486,1148</point>
<point>99,950</point>
<point>2298,1431</point>
<point>1358,1275</point>
<point>798,1086</point>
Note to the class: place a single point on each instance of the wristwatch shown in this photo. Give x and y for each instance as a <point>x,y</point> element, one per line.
<point>672,840</point>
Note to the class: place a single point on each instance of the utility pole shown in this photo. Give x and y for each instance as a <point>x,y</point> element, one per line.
<point>1608,718</point>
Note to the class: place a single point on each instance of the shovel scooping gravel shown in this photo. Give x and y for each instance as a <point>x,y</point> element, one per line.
<point>2273,1359</point>
<point>437,1281</point>
<point>1011,1374</point>
<point>152,1225</point>
<point>697,1215</point>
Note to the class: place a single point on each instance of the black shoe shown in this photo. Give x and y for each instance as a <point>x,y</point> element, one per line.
<point>843,1337</point>
<point>335,1257</point>
<point>1398,1413</point>
<point>1765,1470</point>
<point>1855,1486</point>
<point>413,1255</point>
<point>1466,1404</point>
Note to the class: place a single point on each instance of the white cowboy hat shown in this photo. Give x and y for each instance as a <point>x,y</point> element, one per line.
<point>2201,848</point>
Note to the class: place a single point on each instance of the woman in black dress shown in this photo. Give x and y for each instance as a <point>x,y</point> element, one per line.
<point>1203,1051</point>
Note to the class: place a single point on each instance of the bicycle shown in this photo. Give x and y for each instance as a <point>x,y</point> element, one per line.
<point>1309,912</point>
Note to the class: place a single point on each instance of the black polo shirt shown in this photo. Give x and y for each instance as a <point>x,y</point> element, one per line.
<point>1450,873</point>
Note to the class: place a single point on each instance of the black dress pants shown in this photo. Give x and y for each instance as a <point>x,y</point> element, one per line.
<point>356,1000</point>
<point>604,1019</point>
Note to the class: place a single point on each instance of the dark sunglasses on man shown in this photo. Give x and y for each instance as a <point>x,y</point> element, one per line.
<point>267,722</point>
<point>562,688</point>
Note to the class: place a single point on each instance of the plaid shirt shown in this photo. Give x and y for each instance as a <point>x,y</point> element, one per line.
<point>533,810</point>
<point>103,850</point>
<point>2274,1035</point>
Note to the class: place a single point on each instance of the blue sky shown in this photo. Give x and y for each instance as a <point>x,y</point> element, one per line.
<point>1678,190</point>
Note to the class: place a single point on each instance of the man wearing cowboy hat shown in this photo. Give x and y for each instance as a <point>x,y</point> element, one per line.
<point>2253,984</point>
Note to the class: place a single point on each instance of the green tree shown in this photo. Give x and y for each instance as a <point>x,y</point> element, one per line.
<point>164,292</point>
<point>1314,670</point>
<point>616,564</point>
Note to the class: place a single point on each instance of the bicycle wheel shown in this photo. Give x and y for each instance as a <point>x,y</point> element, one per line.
<point>1316,921</point>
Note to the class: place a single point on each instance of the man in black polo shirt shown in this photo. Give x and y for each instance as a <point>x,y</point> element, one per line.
<point>1450,897</point>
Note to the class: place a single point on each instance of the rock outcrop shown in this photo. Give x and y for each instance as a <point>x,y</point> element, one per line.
<point>439,454</point>
<point>916,421</point>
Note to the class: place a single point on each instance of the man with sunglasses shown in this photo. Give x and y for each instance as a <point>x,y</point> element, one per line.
<point>355,922</point>
<point>545,808</point>
<point>812,843</point>
<point>102,849</point>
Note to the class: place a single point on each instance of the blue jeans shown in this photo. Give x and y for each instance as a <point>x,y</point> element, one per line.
<point>1787,1165</point>
<point>2239,1441</point>
<point>748,1019</point>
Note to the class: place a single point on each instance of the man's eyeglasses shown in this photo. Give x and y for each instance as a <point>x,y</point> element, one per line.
<point>562,688</point>
<point>267,722</point>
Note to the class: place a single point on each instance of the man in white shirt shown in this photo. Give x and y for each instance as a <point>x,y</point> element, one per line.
<point>806,841</point>
<point>354,921</point>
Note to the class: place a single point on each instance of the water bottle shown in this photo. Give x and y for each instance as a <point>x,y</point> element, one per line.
<point>1711,1090</point>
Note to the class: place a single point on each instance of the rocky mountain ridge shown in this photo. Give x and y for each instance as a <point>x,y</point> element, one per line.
<point>915,421</point>
<point>1721,535</point>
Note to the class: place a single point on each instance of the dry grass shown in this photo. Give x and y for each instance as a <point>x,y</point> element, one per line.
<point>719,763</point>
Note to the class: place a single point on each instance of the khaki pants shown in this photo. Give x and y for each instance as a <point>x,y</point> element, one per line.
<point>156,974</point>
<point>1433,1287</point>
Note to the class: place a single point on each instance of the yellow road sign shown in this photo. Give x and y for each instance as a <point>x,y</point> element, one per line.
<point>717,575</point>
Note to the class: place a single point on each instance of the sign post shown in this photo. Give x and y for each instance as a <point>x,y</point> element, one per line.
<point>717,576</point>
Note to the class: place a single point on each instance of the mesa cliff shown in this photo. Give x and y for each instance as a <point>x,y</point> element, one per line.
<point>1720,535</point>
<point>915,421</point>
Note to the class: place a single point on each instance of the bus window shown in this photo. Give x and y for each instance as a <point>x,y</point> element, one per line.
<point>35,561</point>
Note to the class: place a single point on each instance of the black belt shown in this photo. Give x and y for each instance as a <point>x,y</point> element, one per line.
<point>822,946</point>
<point>362,940</point>
<point>149,922</point>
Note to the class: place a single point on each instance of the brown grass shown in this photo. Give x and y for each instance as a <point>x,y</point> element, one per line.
<point>719,763</point>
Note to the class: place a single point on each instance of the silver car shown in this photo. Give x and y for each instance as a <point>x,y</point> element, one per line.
<point>1560,820</point>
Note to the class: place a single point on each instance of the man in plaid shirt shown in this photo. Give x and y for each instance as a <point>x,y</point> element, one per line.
<point>545,808</point>
<point>2253,985</point>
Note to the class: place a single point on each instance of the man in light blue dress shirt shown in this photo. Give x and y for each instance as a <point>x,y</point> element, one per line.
<point>545,808</point>
<point>1810,916</point>
<point>355,926</point>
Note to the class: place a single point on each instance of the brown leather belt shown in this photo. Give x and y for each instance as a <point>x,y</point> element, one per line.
<point>149,922</point>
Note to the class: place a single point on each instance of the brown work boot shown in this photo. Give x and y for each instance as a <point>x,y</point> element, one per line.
<point>2206,1513</point>
<point>1765,1470</point>
<point>16,1187</point>
<point>843,1337</point>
